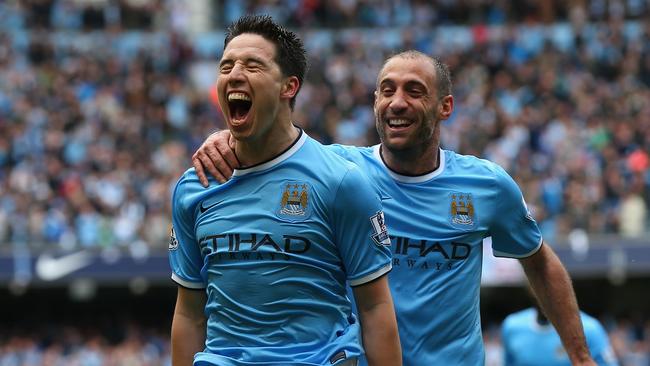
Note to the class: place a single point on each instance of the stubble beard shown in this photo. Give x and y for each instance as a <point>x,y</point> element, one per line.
<point>420,142</point>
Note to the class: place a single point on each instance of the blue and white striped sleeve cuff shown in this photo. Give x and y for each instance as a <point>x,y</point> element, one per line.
<point>371,276</point>
<point>187,284</point>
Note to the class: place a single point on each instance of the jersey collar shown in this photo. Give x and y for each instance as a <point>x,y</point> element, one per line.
<point>297,144</point>
<point>410,178</point>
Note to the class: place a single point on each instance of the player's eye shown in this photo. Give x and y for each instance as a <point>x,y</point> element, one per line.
<point>224,69</point>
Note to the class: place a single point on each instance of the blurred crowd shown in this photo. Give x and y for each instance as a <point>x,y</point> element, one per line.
<point>85,346</point>
<point>630,341</point>
<point>103,102</point>
<point>141,346</point>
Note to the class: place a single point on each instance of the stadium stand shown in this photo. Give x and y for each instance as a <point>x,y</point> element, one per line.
<point>102,103</point>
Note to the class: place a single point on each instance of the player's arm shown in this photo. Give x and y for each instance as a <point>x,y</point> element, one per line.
<point>188,326</point>
<point>364,244</point>
<point>378,324</point>
<point>515,234</point>
<point>552,287</point>
<point>189,322</point>
<point>599,345</point>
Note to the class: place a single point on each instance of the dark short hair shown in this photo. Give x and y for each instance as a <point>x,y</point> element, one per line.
<point>443,76</point>
<point>290,51</point>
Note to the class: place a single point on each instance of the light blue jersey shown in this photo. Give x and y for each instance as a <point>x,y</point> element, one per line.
<point>437,223</point>
<point>273,249</point>
<point>527,343</point>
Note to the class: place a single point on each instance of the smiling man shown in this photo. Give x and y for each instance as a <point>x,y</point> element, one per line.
<point>440,207</point>
<point>262,261</point>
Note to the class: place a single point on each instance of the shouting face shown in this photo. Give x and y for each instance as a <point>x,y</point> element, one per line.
<point>250,86</point>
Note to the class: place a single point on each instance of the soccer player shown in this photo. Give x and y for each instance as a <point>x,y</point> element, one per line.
<point>263,260</point>
<point>440,207</point>
<point>530,340</point>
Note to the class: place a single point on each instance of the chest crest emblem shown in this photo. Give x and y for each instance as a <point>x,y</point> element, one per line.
<point>295,200</point>
<point>462,210</point>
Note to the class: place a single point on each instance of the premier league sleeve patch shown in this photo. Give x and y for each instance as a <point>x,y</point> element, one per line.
<point>529,216</point>
<point>295,201</point>
<point>173,242</point>
<point>380,235</point>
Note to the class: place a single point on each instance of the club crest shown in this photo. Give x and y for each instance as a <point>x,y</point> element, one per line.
<point>462,210</point>
<point>295,201</point>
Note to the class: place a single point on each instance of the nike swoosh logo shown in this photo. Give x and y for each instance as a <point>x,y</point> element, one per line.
<point>49,268</point>
<point>203,208</point>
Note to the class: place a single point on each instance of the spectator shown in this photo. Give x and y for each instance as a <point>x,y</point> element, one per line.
<point>94,127</point>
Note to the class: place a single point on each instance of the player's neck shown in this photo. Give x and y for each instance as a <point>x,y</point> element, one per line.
<point>271,144</point>
<point>419,160</point>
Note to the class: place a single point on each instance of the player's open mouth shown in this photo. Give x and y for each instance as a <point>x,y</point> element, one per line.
<point>239,104</point>
<point>398,123</point>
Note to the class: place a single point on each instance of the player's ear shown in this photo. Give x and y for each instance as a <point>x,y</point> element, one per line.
<point>446,106</point>
<point>290,87</point>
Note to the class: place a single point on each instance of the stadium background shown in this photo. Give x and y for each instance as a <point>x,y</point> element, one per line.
<point>102,103</point>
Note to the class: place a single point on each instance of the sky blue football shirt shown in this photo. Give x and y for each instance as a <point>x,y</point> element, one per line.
<point>437,223</point>
<point>527,343</point>
<point>273,248</point>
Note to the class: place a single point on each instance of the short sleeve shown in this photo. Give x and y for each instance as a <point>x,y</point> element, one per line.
<point>360,229</point>
<point>514,232</point>
<point>184,255</point>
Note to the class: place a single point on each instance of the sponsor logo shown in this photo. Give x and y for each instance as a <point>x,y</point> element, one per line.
<point>49,268</point>
<point>380,236</point>
<point>294,201</point>
<point>422,248</point>
<point>240,246</point>
<point>462,210</point>
<point>203,208</point>
<point>423,254</point>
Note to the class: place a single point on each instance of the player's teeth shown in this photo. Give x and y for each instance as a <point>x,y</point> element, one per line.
<point>398,122</point>
<point>238,96</point>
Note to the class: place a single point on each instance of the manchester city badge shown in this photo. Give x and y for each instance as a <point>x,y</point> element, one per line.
<point>295,201</point>
<point>462,210</point>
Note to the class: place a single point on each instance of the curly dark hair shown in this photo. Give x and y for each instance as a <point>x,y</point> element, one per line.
<point>290,51</point>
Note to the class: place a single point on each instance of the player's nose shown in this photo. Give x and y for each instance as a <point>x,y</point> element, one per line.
<point>398,102</point>
<point>237,74</point>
